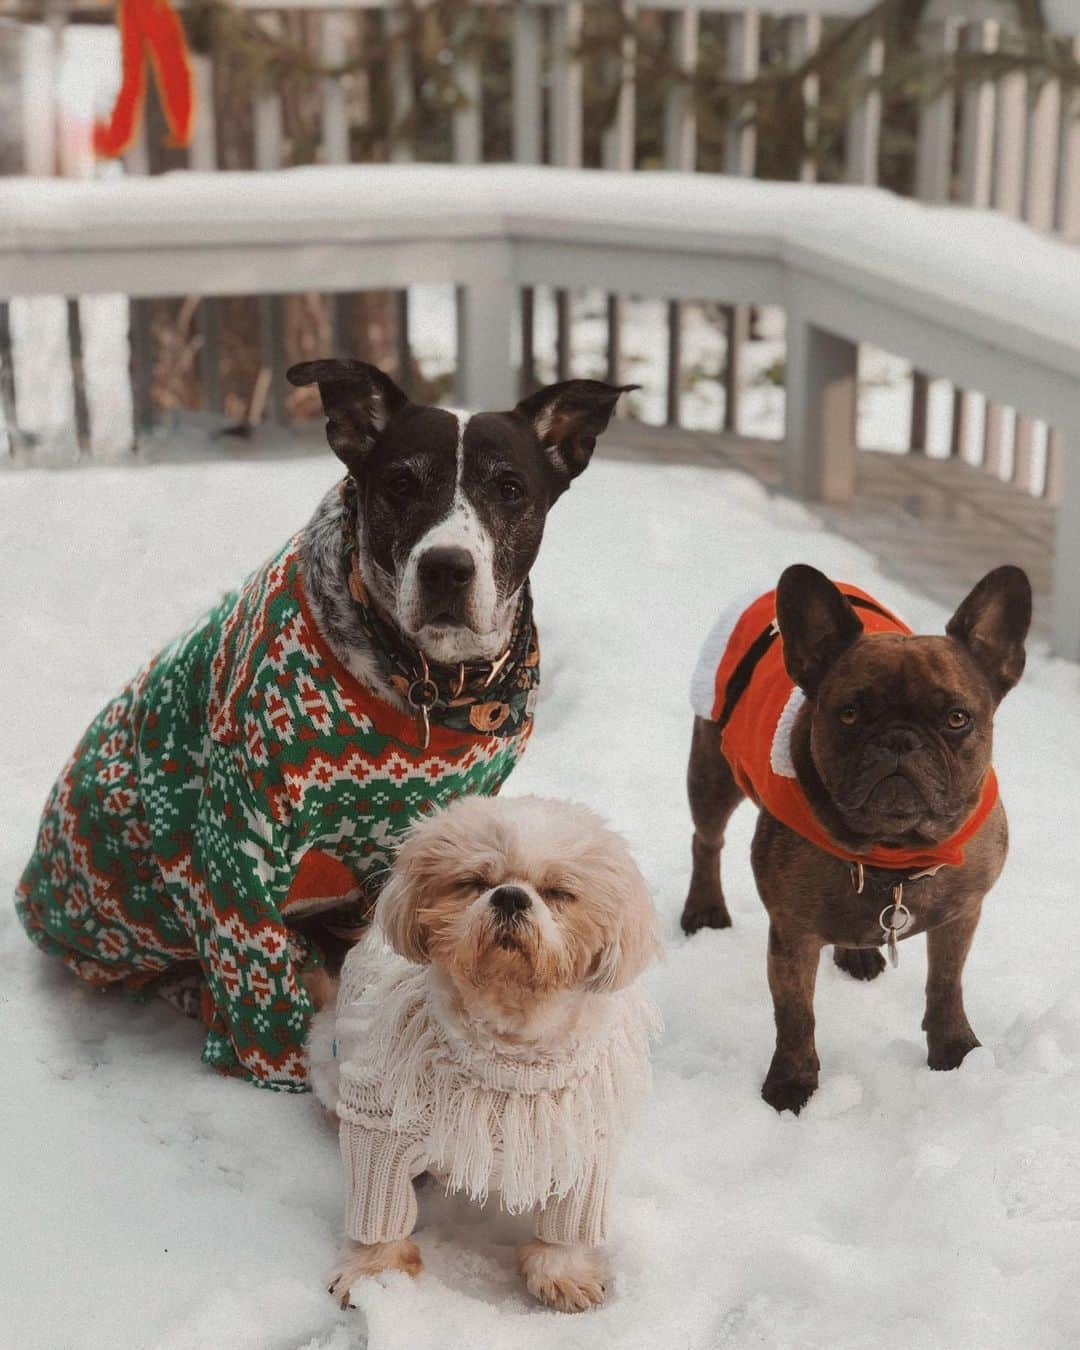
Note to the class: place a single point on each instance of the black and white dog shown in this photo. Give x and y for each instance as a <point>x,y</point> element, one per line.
<point>254,776</point>
<point>449,512</point>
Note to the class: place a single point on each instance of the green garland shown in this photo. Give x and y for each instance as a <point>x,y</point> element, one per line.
<point>436,35</point>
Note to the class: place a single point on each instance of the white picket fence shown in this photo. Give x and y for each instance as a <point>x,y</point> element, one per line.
<point>1007,146</point>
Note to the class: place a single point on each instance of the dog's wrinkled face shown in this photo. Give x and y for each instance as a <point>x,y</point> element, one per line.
<point>453,506</point>
<point>901,728</point>
<point>519,900</point>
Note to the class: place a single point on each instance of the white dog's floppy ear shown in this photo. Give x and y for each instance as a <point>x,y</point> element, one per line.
<point>634,941</point>
<point>397,917</point>
<point>358,400</point>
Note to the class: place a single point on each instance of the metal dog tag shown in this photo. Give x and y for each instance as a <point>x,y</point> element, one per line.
<point>895,920</point>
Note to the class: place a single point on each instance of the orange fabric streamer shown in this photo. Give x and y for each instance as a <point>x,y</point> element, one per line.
<point>150,32</point>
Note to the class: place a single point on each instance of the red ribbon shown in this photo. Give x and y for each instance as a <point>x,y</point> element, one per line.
<point>150,33</point>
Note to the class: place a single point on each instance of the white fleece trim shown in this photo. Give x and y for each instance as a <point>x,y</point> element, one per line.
<point>780,760</point>
<point>703,680</point>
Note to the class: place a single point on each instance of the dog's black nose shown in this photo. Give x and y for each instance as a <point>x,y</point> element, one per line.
<point>900,740</point>
<point>509,900</point>
<point>446,570</point>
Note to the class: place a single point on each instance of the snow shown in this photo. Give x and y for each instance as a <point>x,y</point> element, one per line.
<point>149,1203</point>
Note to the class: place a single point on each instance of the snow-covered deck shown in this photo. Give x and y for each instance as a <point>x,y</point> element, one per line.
<point>150,1204</point>
<point>934,524</point>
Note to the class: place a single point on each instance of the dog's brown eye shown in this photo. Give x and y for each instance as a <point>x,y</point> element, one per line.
<point>557,893</point>
<point>510,490</point>
<point>958,719</point>
<point>401,485</point>
<point>849,714</point>
<point>474,883</point>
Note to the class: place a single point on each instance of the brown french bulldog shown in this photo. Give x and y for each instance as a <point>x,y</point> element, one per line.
<point>880,764</point>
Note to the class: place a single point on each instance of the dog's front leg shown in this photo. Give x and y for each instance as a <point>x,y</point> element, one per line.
<point>793,1074</point>
<point>363,1259</point>
<point>567,1276</point>
<point>380,1205</point>
<point>565,1266</point>
<point>949,1036</point>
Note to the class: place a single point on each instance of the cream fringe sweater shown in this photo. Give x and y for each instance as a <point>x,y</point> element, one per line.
<point>414,1093</point>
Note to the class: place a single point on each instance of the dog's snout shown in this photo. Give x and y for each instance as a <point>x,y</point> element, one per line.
<point>510,901</point>
<point>900,740</point>
<point>447,569</point>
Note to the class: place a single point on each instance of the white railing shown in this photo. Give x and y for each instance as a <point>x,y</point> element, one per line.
<point>1010,145</point>
<point>989,303</point>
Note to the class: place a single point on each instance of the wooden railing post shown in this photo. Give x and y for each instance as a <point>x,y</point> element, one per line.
<point>822,381</point>
<point>466,125</point>
<point>202,157</point>
<point>565,121</point>
<point>268,142</point>
<point>527,45</point>
<point>864,122</point>
<point>1040,200</point>
<point>803,39</point>
<point>740,152</point>
<point>401,152</point>
<point>680,155</point>
<point>1010,136</point>
<point>1065,619</point>
<point>8,406</point>
<point>335,31</point>
<point>933,175</point>
<point>619,152</point>
<point>565,106</point>
<point>1067,219</point>
<point>1066,222</point>
<point>401,84</point>
<point>486,314</point>
<point>976,170</point>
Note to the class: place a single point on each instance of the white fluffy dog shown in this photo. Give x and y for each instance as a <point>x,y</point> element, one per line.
<point>498,1041</point>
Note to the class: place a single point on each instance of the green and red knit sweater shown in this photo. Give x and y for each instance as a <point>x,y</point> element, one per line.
<point>241,779</point>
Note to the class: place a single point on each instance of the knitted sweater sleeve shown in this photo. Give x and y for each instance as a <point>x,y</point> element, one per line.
<point>380,1159</point>
<point>380,1199</point>
<point>582,1214</point>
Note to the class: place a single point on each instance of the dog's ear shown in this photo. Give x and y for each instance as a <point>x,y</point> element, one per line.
<point>634,942</point>
<point>358,400</point>
<point>817,624</point>
<point>396,915</point>
<point>567,418</point>
<point>992,623</point>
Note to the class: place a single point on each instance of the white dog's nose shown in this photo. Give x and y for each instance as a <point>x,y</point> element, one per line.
<point>510,901</point>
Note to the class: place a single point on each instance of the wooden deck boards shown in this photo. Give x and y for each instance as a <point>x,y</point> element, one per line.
<point>937,525</point>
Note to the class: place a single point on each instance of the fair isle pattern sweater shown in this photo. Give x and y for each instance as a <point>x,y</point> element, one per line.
<point>414,1095</point>
<point>242,779</point>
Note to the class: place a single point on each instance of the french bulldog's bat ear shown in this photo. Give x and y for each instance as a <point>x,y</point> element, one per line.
<point>993,622</point>
<point>358,400</point>
<point>567,419</point>
<point>817,624</point>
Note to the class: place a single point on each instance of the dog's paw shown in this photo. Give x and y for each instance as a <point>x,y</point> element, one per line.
<point>951,1053</point>
<point>861,963</point>
<point>569,1279</point>
<point>359,1262</point>
<point>788,1092</point>
<point>705,916</point>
